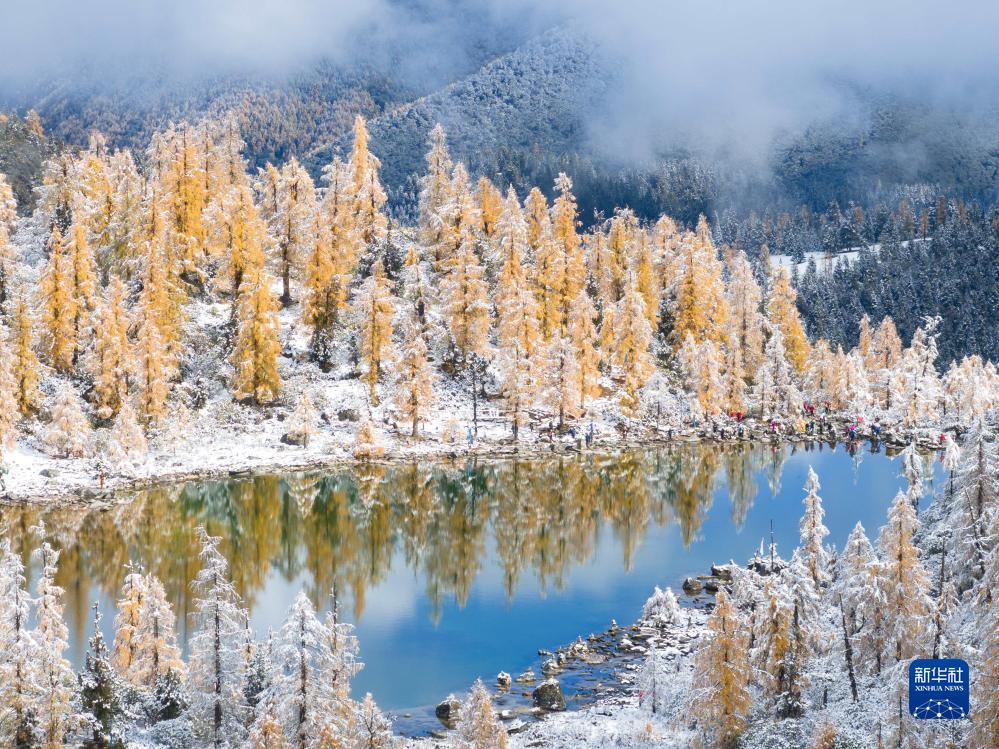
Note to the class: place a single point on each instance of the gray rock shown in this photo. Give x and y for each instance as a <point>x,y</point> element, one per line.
<point>49,473</point>
<point>723,571</point>
<point>293,439</point>
<point>548,696</point>
<point>692,587</point>
<point>527,677</point>
<point>447,710</point>
<point>348,414</point>
<point>550,667</point>
<point>503,680</point>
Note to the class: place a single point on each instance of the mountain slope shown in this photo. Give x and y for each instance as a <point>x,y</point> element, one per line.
<point>534,98</point>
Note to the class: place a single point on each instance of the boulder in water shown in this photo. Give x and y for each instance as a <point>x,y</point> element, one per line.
<point>548,696</point>
<point>503,680</point>
<point>447,711</point>
<point>692,587</point>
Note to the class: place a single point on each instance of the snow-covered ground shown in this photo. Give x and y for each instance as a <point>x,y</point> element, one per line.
<point>221,437</point>
<point>827,262</point>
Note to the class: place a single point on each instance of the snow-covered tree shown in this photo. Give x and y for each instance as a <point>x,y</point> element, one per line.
<point>414,382</point>
<point>478,725</point>
<point>69,433</point>
<point>369,196</point>
<point>662,608</point>
<point>722,697</point>
<point>128,444</point>
<point>303,420</point>
<point>561,379</point>
<point>975,497</point>
<point>776,392</point>
<point>374,311</point>
<point>465,297</point>
<point>24,364</point>
<point>985,712</point>
<point>8,251</point>
<point>257,348</point>
<point>917,383</point>
<point>855,567</point>
<point>218,708</point>
<point>905,582</point>
<point>435,188</point>
<point>100,690</point>
<point>631,345</point>
<point>583,334</point>
<point>8,393</point>
<point>128,619</point>
<point>783,315</point>
<point>267,731</point>
<point>369,444</point>
<point>53,707</point>
<point>373,730</point>
<point>19,658</point>
<point>111,364</point>
<point>290,206</point>
<point>814,532</point>
<point>314,665</point>
<point>154,642</point>
<point>745,322</point>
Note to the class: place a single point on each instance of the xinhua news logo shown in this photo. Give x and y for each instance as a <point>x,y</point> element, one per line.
<point>939,689</point>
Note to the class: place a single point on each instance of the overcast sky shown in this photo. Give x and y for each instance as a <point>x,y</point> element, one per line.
<point>732,71</point>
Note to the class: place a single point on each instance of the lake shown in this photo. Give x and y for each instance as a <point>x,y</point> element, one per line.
<point>458,570</point>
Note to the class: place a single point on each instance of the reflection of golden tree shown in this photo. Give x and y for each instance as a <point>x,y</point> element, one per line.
<point>456,538</point>
<point>344,527</point>
<point>739,479</point>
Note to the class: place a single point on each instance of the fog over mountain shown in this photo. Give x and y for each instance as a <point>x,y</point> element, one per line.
<point>724,75</point>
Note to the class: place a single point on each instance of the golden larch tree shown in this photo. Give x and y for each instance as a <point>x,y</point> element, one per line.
<point>414,380</point>
<point>435,189</point>
<point>374,312</point>
<point>153,368</point>
<point>369,196</point>
<point>8,392</point>
<point>583,333</point>
<point>549,282</point>
<point>257,348</point>
<point>722,676</point>
<point>291,217</point>
<point>8,252</point>
<point>111,361</point>
<point>466,303</point>
<point>700,307</point>
<point>643,265</point>
<point>490,201</point>
<point>25,361</point>
<point>904,582</point>
<point>783,313</point>
<point>564,231</point>
<point>517,327</point>
<point>745,321</point>
<point>59,307</point>
<point>238,237</point>
<point>632,337</point>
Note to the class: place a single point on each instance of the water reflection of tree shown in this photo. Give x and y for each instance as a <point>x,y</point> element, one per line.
<point>346,527</point>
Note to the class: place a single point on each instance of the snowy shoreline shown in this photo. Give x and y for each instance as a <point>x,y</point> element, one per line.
<point>35,477</point>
